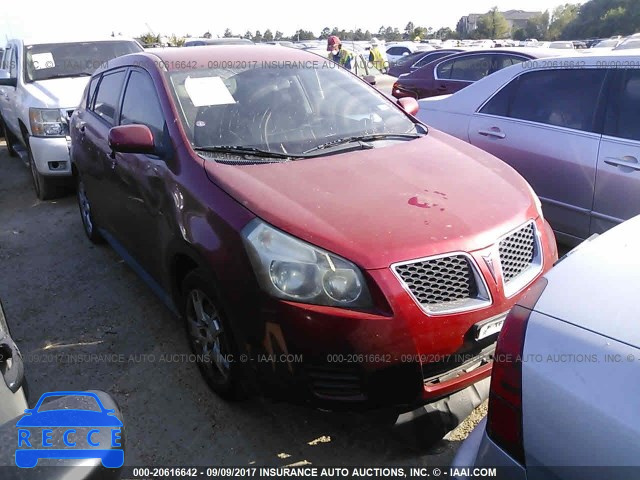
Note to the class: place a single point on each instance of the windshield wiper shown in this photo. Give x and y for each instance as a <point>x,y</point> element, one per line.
<point>240,150</point>
<point>363,138</point>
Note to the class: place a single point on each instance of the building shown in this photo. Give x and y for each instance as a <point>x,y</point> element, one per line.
<point>515,18</point>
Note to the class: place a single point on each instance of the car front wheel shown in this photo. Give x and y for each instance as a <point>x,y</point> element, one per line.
<point>45,187</point>
<point>210,337</point>
<point>88,223</point>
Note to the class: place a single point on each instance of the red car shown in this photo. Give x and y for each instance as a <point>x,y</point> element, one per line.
<point>454,72</point>
<point>316,237</point>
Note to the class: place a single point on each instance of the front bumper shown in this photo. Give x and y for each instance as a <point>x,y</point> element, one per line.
<point>51,155</point>
<point>397,355</point>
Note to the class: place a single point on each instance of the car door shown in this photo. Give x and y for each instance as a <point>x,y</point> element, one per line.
<point>99,118</point>
<point>459,72</point>
<point>545,127</point>
<point>617,193</point>
<point>8,93</point>
<point>140,178</point>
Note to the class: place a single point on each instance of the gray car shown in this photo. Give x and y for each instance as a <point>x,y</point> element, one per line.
<point>569,125</point>
<point>566,376</point>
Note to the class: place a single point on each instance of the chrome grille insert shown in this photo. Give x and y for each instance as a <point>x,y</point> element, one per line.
<point>444,284</point>
<point>520,258</point>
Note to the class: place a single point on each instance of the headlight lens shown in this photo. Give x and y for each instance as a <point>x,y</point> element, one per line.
<point>48,122</point>
<point>291,269</point>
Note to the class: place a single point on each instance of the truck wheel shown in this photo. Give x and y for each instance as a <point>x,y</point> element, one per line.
<point>9,138</point>
<point>210,337</point>
<point>45,187</point>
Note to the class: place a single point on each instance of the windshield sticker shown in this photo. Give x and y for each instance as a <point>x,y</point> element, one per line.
<point>42,60</point>
<point>206,91</point>
<point>383,106</point>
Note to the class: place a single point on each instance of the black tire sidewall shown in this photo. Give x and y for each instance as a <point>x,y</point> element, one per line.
<point>93,236</point>
<point>232,389</point>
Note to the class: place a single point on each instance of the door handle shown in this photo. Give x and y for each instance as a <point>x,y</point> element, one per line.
<point>442,88</point>
<point>492,133</point>
<point>627,161</point>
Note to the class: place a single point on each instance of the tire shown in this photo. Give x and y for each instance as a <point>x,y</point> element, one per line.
<point>9,138</point>
<point>89,225</point>
<point>209,333</point>
<point>46,188</point>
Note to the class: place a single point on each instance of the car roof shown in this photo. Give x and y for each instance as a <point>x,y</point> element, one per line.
<point>174,58</point>
<point>35,40</point>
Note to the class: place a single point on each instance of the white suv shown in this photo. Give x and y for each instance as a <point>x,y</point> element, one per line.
<point>41,83</point>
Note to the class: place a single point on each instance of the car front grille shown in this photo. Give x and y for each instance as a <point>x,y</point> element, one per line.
<point>443,284</point>
<point>520,258</point>
<point>517,252</point>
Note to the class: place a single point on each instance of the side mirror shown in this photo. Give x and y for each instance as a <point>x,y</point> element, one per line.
<point>370,79</point>
<point>409,105</point>
<point>131,139</point>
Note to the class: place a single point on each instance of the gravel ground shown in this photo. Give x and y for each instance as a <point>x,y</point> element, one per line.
<point>84,320</point>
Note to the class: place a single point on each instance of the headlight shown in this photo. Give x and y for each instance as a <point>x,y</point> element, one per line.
<point>48,122</point>
<point>291,269</point>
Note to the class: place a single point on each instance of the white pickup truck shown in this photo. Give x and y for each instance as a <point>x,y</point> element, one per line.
<point>41,83</point>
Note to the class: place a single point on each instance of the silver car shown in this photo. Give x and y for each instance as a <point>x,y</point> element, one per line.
<point>566,375</point>
<point>569,125</point>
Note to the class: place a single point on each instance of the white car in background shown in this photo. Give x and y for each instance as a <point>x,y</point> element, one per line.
<point>394,51</point>
<point>563,402</point>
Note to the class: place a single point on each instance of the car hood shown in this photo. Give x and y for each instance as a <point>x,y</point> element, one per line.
<point>58,92</point>
<point>375,207</point>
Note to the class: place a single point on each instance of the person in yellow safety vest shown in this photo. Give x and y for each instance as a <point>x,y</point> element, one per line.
<point>376,58</point>
<point>337,53</point>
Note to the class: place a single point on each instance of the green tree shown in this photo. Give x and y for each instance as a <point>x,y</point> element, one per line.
<point>492,25</point>
<point>149,38</point>
<point>326,31</point>
<point>408,31</point>
<point>176,41</point>
<point>561,18</point>
<point>278,36</point>
<point>207,34</point>
<point>248,35</point>
<point>519,34</point>
<point>257,37</point>
<point>268,35</point>
<point>227,33</point>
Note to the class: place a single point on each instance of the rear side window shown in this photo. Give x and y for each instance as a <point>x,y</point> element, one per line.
<point>141,104</point>
<point>471,69</point>
<point>563,97</point>
<point>431,57</point>
<point>504,61</point>
<point>107,96</point>
<point>622,117</point>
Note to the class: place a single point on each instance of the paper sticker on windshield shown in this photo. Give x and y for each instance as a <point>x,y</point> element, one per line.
<point>42,60</point>
<point>383,106</point>
<point>205,91</point>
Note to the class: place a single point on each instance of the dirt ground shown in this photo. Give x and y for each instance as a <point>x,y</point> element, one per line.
<point>84,320</point>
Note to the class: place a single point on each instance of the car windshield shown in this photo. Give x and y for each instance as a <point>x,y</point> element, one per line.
<point>629,44</point>
<point>285,109</point>
<point>56,60</point>
<point>606,44</point>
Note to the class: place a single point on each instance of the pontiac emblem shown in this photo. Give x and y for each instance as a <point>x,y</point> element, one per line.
<point>489,261</point>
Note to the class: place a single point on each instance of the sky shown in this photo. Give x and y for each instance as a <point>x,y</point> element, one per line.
<point>133,18</point>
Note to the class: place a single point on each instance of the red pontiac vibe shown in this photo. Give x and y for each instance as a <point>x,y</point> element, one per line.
<point>316,238</point>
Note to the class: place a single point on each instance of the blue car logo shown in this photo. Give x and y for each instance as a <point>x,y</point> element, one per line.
<point>83,433</point>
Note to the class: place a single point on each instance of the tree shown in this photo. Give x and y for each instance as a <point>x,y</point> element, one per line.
<point>408,31</point>
<point>278,36</point>
<point>446,33</point>
<point>268,35</point>
<point>248,35</point>
<point>227,33</point>
<point>207,34</point>
<point>492,25</point>
<point>561,18</point>
<point>176,41</point>
<point>519,34</point>
<point>326,31</point>
<point>149,38</point>
<point>257,37</point>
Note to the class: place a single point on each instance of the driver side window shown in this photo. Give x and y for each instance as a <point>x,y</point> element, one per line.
<point>141,105</point>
